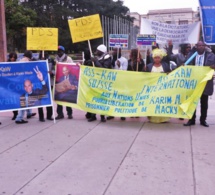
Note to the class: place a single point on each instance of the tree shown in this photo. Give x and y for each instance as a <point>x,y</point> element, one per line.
<point>17,19</point>
<point>55,13</point>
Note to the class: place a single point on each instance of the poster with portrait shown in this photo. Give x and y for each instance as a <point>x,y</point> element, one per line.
<point>66,83</point>
<point>24,85</point>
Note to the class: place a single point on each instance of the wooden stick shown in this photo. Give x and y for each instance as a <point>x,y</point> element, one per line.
<point>117,53</point>
<point>91,54</point>
<point>43,54</point>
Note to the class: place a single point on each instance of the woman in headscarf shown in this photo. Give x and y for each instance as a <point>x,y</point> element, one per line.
<point>158,66</point>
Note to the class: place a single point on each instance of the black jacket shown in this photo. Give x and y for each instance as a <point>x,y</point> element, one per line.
<point>209,59</point>
<point>165,66</point>
<point>104,62</point>
<point>132,65</point>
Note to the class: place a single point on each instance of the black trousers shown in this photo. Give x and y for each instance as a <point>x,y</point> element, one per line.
<point>60,110</point>
<point>49,112</point>
<point>15,112</point>
<point>204,109</point>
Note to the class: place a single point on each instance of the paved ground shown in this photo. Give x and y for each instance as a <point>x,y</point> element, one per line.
<point>133,157</point>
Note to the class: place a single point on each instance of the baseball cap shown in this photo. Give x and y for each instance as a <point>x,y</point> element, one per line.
<point>61,48</point>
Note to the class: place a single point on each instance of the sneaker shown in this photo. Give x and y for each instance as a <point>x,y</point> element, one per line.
<point>32,114</point>
<point>21,122</point>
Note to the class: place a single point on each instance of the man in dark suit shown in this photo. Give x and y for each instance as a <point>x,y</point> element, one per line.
<point>33,97</point>
<point>203,58</point>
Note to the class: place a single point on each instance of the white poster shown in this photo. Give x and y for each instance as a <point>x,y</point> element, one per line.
<point>184,33</point>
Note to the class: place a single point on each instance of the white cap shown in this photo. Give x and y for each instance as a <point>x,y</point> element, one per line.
<point>102,48</point>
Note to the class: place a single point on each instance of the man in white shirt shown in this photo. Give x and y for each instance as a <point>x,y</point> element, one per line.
<point>119,63</point>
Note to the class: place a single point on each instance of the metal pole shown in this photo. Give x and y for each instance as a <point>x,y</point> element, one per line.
<point>3,40</point>
<point>108,32</point>
<point>103,30</point>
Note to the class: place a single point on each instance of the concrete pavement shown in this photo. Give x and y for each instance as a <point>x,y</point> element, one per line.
<point>132,157</point>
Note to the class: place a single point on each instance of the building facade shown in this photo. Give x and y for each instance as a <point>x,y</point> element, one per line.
<point>170,16</point>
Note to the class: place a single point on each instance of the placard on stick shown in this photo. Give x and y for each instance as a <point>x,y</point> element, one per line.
<point>146,40</point>
<point>45,39</point>
<point>85,28</point>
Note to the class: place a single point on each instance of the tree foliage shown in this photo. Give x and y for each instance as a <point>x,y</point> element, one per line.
<point>55,13</point>
<point>17,19</point>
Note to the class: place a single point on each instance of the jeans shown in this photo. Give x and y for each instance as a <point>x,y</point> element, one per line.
<point>21,114</point>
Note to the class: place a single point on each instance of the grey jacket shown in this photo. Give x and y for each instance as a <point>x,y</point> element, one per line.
<point>208,61</point>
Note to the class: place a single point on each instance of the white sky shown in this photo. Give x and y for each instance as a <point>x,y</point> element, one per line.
<point>142,6</point>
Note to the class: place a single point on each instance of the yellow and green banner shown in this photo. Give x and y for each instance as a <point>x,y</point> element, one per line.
<point>125,93</point>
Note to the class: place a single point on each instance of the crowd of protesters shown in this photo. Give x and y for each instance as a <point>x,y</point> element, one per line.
<point>158,60</point>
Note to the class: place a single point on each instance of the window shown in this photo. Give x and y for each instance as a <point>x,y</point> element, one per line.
<point>183,22</point>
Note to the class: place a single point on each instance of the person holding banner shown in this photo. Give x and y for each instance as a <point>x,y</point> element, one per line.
<point>181,57</point>
<point>87,62</point>
<point>49,110</point>
<point>119,63</point>
<point>203,58</point>
<point>158,66</point>
<point>12,58</point>
<point>102,60</point>
<point>62,57</point>
<point>136,63</point>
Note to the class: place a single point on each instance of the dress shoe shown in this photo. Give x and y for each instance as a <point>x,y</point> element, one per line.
<point>88,115</point>
<point>14,117</point>
<point>50,118</point>
<point>42,120</point>
<point>103,119</point>
<point>92,119</point>
<point>204,123</point>
<point>110,117</point>
<point>59,117</point>
<point>122,118</point>
<point>181,119</point>
<point>32,114</point>
<point>189,123</point>
<point>70,117</point>
<point>21,122</point>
